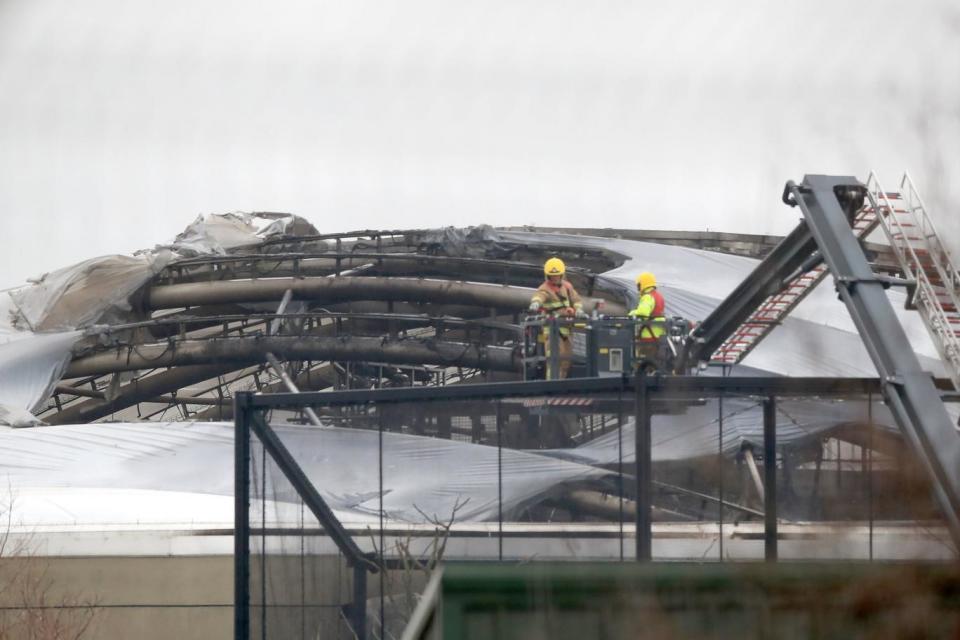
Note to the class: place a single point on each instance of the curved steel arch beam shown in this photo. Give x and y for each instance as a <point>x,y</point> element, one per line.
<point>139,391</point>
<point>341,289</point>
<point>241,351</point>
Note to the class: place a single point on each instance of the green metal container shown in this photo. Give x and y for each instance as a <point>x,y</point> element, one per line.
<point>559,601</point>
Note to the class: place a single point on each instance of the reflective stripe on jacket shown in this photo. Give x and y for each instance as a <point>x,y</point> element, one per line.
<point>650,308</point>
<point>554,299</point>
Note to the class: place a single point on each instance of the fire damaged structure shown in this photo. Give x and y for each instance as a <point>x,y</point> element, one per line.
<point>392,369</point>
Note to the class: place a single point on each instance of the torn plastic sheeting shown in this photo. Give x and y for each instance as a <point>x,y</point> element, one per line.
<point>82,294</point>
<point>30,366</point>
<point>424,474</point>
<point>420,474</point>
<point>482,241</point>
<point>696,432</point>
<point>9,315</point>
<point>12,416</point>
<point>99,289</point>
<point>215,234</point>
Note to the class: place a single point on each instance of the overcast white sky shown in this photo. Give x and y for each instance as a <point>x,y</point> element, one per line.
<point>120,121</point>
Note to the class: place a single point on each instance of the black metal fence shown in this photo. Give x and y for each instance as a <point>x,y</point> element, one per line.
<point>339,526</point>
<point>298,573</point>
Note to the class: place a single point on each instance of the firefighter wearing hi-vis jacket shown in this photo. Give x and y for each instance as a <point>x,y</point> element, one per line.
<point>649,311</point>
<point>557,298</point>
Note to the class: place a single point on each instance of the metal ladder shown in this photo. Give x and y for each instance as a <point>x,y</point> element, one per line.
<point>776,307</point>
<point>924,259</point>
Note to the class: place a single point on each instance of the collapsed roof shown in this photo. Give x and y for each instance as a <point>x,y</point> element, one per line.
<point>135,336</point>
<point>176,330</point>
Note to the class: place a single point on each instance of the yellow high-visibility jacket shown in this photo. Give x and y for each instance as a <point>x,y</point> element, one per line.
<point>650,308</point>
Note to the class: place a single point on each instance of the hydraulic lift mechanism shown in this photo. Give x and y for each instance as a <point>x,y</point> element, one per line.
<point>838,212</point>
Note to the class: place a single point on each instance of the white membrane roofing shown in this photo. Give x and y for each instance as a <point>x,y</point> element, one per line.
<point>426,474</point>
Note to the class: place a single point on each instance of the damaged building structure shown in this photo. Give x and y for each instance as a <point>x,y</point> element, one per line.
<point>117,379</point>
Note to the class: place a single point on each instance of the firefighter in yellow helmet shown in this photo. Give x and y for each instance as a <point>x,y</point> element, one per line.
<point>557,298</point>
<point>650,310</point>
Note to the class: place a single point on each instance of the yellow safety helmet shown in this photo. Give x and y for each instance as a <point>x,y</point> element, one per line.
<point>554,267</point>
<point>646,280</point>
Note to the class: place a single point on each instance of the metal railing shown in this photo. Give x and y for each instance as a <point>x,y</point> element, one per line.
<point>249,426</point>
<point>925,260</point>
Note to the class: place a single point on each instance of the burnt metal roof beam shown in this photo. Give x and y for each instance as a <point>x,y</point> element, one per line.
<point>320,377</point>
<point>241,351</point>
<point>139,390</point>
<point>681,388</point>
<point>766,279</point>
<point>319,290</point>
<point>258,319</point>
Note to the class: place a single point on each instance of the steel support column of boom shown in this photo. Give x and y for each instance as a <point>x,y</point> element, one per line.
<point>766,279</point>
<point>827,202</point>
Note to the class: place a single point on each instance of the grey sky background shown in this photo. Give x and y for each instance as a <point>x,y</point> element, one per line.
<point>121,121</point>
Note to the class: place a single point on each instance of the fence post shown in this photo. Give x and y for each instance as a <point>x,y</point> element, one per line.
<point>499,481</point>
<point>644,459</point>
<point>770,479</point>
<point>358,608</point>
<point>241,518</point>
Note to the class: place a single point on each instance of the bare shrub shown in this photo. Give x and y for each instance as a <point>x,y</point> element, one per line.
<point>34,607</point>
